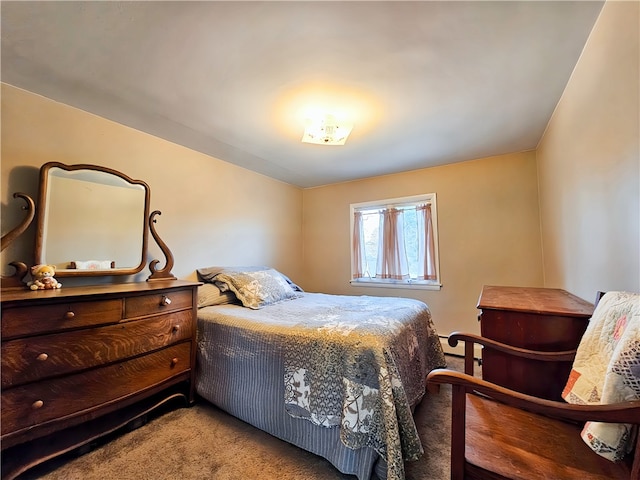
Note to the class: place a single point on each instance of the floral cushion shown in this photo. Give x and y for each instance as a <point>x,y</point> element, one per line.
<point>209,274</point>
<point>256,289</point>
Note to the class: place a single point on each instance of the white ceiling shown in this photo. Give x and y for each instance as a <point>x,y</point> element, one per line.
<point>426,83</point>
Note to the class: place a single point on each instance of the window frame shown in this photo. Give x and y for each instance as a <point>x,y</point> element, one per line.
<point>390,203</point>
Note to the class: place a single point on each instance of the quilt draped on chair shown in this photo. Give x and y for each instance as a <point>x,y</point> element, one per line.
<point>606,370</point>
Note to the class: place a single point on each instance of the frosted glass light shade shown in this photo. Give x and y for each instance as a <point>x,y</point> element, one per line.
<point>326,131</point>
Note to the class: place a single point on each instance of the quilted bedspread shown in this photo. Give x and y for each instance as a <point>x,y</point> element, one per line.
<point>357,363</point>
<point>607,369</point>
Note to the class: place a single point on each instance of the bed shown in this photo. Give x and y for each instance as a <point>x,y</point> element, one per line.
<point>336,375</point>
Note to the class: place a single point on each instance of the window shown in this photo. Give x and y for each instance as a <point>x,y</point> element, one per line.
<point>395,243</point>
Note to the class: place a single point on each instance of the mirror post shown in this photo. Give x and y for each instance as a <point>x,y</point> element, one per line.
<point>164,273</point>
<point>17,279</point>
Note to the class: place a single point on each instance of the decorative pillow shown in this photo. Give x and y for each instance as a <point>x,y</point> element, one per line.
<point>92,264</point>
<point>209,274</point>
<point>209,294</point>
<point>256,289</point>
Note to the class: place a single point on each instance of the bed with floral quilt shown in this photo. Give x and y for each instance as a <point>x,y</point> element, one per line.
<point>335,375</point>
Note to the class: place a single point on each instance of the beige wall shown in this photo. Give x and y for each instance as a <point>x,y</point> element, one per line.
<point>589,165</point>
<point>213,213</point>
<point>490,210</point>
<point>488,227</point>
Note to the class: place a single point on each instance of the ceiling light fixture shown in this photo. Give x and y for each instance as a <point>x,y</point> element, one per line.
<point>326,131</point>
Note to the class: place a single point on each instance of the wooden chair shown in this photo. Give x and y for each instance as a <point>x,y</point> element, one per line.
<point>499,434</point>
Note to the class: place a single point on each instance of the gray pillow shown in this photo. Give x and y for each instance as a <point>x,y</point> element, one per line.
<point>209,294</point>
<point>208,274</point>
<point>257,289</point>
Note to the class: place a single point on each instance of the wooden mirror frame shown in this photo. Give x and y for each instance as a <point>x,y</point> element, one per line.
<point>43,212</point>
<point>17,280</point>
<point>146,223</point>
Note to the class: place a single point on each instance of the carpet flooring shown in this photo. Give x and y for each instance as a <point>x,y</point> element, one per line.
<point>203,442</point>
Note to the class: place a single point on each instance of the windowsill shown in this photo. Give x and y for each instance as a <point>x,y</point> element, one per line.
<point>410,286</point>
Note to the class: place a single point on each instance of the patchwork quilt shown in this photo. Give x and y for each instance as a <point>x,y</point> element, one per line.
<point>360,364</point>
<point>606,370</point>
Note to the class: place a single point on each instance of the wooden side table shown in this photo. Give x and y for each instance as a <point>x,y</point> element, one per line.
<point>544,319</point>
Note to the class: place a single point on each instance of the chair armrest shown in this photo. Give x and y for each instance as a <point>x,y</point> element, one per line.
<point>625,412</point>
<point>470,339</point>
<point>562,356</point>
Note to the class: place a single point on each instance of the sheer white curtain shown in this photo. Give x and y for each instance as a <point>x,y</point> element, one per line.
<point>358,248</point>
<point>426,244</point>
<point>392,258</point>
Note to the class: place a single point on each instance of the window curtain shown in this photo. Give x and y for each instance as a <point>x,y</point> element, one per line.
<point>392,258</point>
<point>358,248</point>
<point>426,244</point>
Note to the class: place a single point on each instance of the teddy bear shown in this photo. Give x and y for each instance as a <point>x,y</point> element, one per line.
<point>43,278</point>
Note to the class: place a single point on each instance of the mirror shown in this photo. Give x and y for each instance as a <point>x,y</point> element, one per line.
<point>91,221</point>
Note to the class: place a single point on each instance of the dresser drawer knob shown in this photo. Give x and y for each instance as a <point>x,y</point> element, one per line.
<point>165,301</point>
<point>37,404</point>
<point>42,357</point>
<point>174,361</point>
<point>69,315</point>
<point>175,328</point>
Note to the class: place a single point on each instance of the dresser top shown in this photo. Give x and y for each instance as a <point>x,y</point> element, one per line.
<point>19,295</point>
<point>552,301</point>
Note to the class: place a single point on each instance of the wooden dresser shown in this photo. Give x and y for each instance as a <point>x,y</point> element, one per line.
<point>542,319</point>
<point>80,362</point>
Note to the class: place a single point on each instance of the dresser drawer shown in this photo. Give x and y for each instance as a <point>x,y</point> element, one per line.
<point>23,407</point>
<point>31,320</point>
<point>162,302</point>
<point>26,360</point>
